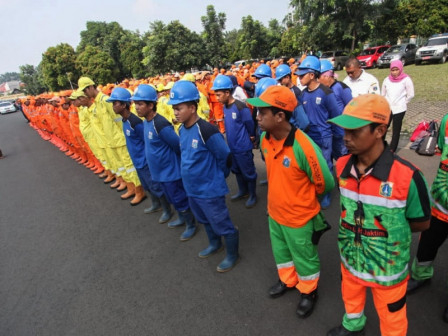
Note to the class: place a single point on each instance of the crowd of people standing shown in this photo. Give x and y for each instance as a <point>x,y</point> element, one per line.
<point>177,137</point>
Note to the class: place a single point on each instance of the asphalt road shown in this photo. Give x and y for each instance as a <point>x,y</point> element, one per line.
<point>77,260</point>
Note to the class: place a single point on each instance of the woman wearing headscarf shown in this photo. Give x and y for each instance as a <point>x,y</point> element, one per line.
<point>398,89</point>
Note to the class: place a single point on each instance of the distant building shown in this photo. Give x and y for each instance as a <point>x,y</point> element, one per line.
<point>11,87</point>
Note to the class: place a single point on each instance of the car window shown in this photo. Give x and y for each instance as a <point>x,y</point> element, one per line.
<point>327,54</point>
<point>366,52</point>
<point>5,104</point>
<point>394,49</point>
<point>438,41</point>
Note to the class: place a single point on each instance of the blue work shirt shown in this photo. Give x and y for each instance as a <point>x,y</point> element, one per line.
<point>162,150</point>
<point>206,160</point>
<point>133,131</point>
<point>320,105</point>
<point>299,118</point>
<point>239,127</point>
<point>343,95</point>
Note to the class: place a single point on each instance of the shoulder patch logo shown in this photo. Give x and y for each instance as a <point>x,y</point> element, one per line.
<point>342,182</point>
<point>286,161</point>
<point>386,189</point>
<point>194,143</point>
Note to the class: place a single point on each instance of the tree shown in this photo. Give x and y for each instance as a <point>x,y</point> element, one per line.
<point>252,39</point>
<point>214,25</point>
<point>32,78</point>
<point>96,64</point>
<point>172,47</point>
<point>58,66</point>
<point>9,76</point>
<point>274,37</point>
<point>231,45</point>
<point>131,55</point>
<point>106,37</point>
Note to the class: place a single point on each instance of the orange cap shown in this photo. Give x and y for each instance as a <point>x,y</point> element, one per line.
<point>363,110</point>
<point>277,96</point>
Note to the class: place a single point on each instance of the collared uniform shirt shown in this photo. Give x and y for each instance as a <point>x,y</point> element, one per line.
<point>366,83</point>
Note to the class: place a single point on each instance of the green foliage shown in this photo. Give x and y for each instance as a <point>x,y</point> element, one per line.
<point>252,39</point>
<point>424,18</point>
<point>96,64</point>
<point>213,36</point>
<point>32,78</point>
<point>58,67</point>
<point>172,47</point>
<point>9,76</point>
<point>131,55</point>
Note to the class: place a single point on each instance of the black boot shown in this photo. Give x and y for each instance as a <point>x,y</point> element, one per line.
<point>242,188</point>
<point>306,304</point>
<point>214,243</point>
<point>342,331</point>
<point>413,284</point>
<point>252,201</point>
<point>278,289</point>
<point>155,206</point>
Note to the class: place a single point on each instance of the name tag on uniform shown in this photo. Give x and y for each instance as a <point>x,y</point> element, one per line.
<point>233,115</point>
<point>318,100</point>
<point>150,135</point>
<point>194,143</point>
<point>128,132</point>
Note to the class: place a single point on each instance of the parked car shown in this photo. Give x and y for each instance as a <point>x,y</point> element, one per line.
<point>336,57</point>
<point>369,57</point>
<point>404,52</point>
<point>436,49</point>
<point>7,107</point>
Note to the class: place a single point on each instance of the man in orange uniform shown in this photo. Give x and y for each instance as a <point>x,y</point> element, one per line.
<point>297,173</point>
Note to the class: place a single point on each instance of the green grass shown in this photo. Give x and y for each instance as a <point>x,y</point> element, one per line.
<point>430,80</point>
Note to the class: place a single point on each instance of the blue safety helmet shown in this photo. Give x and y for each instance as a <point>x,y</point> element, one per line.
<point>222,82</point>
<point>263,84</point>
<point>263,71</point>
<point>282,71</point>
<point>182,92</point>
<point>309,64</point>
<point>145,92</point>
<point>119,94</point>
<point>325,65</point>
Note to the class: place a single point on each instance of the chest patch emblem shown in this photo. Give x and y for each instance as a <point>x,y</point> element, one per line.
<point>150,135</point>
<point>318,100</point>
<point>234,115</point>
<point>128,132</point>
<point>386,189</point>
<point>286,161</point>
<point>194,143</point>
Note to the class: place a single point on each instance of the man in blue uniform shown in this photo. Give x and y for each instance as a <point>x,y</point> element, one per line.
<point>320,105</point>
<point>163,155</point>
<point>206,162</point>
<point>240,137</point>
<point>133,131</point>
<point>343,95</point>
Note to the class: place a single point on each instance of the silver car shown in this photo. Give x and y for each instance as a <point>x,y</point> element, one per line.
<point>7,107</point>
<point>403,52</point>
<point>336,57</point>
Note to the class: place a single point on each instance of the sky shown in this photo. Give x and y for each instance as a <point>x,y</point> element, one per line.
<point>29,27</point>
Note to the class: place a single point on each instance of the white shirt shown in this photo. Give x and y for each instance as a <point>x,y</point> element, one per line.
<point>239,94</point>
<point>366,83</point>
<point>398,94</point>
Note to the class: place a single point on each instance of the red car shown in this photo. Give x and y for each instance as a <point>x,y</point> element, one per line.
<point>369,57</point>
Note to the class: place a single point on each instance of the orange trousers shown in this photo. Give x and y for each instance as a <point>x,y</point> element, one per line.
<point>390,304</point>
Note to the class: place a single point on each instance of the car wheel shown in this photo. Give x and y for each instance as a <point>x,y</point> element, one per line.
<point>403,60</point>
<point>443,59</point>
<point>418,62</point>
<point>374,65</point>
<point>339,66</point>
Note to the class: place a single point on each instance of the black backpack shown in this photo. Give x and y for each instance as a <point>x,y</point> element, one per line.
<point>429,142</point>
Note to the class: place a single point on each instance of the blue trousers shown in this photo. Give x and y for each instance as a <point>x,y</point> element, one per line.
<point>243,163</point>
<point>148,183</point>
<point>338,147</point>
<point>214,212</point>
<point>175,193</point>
<point>326,145</point>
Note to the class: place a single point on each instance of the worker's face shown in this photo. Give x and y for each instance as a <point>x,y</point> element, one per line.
<point>222,96</point>
<point>76,103</point>
<point>326,80</point>
<point>353,71</point>
<point>90,91</point>
<point>66,106</point>
<point>285,81</point>
<point>306,78</point>
<point>266,119</point>
<point>118,107</point>
<point>185,113</point>
<point>83,101</point>
<point>362,140</point>
<point>143,109</point>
